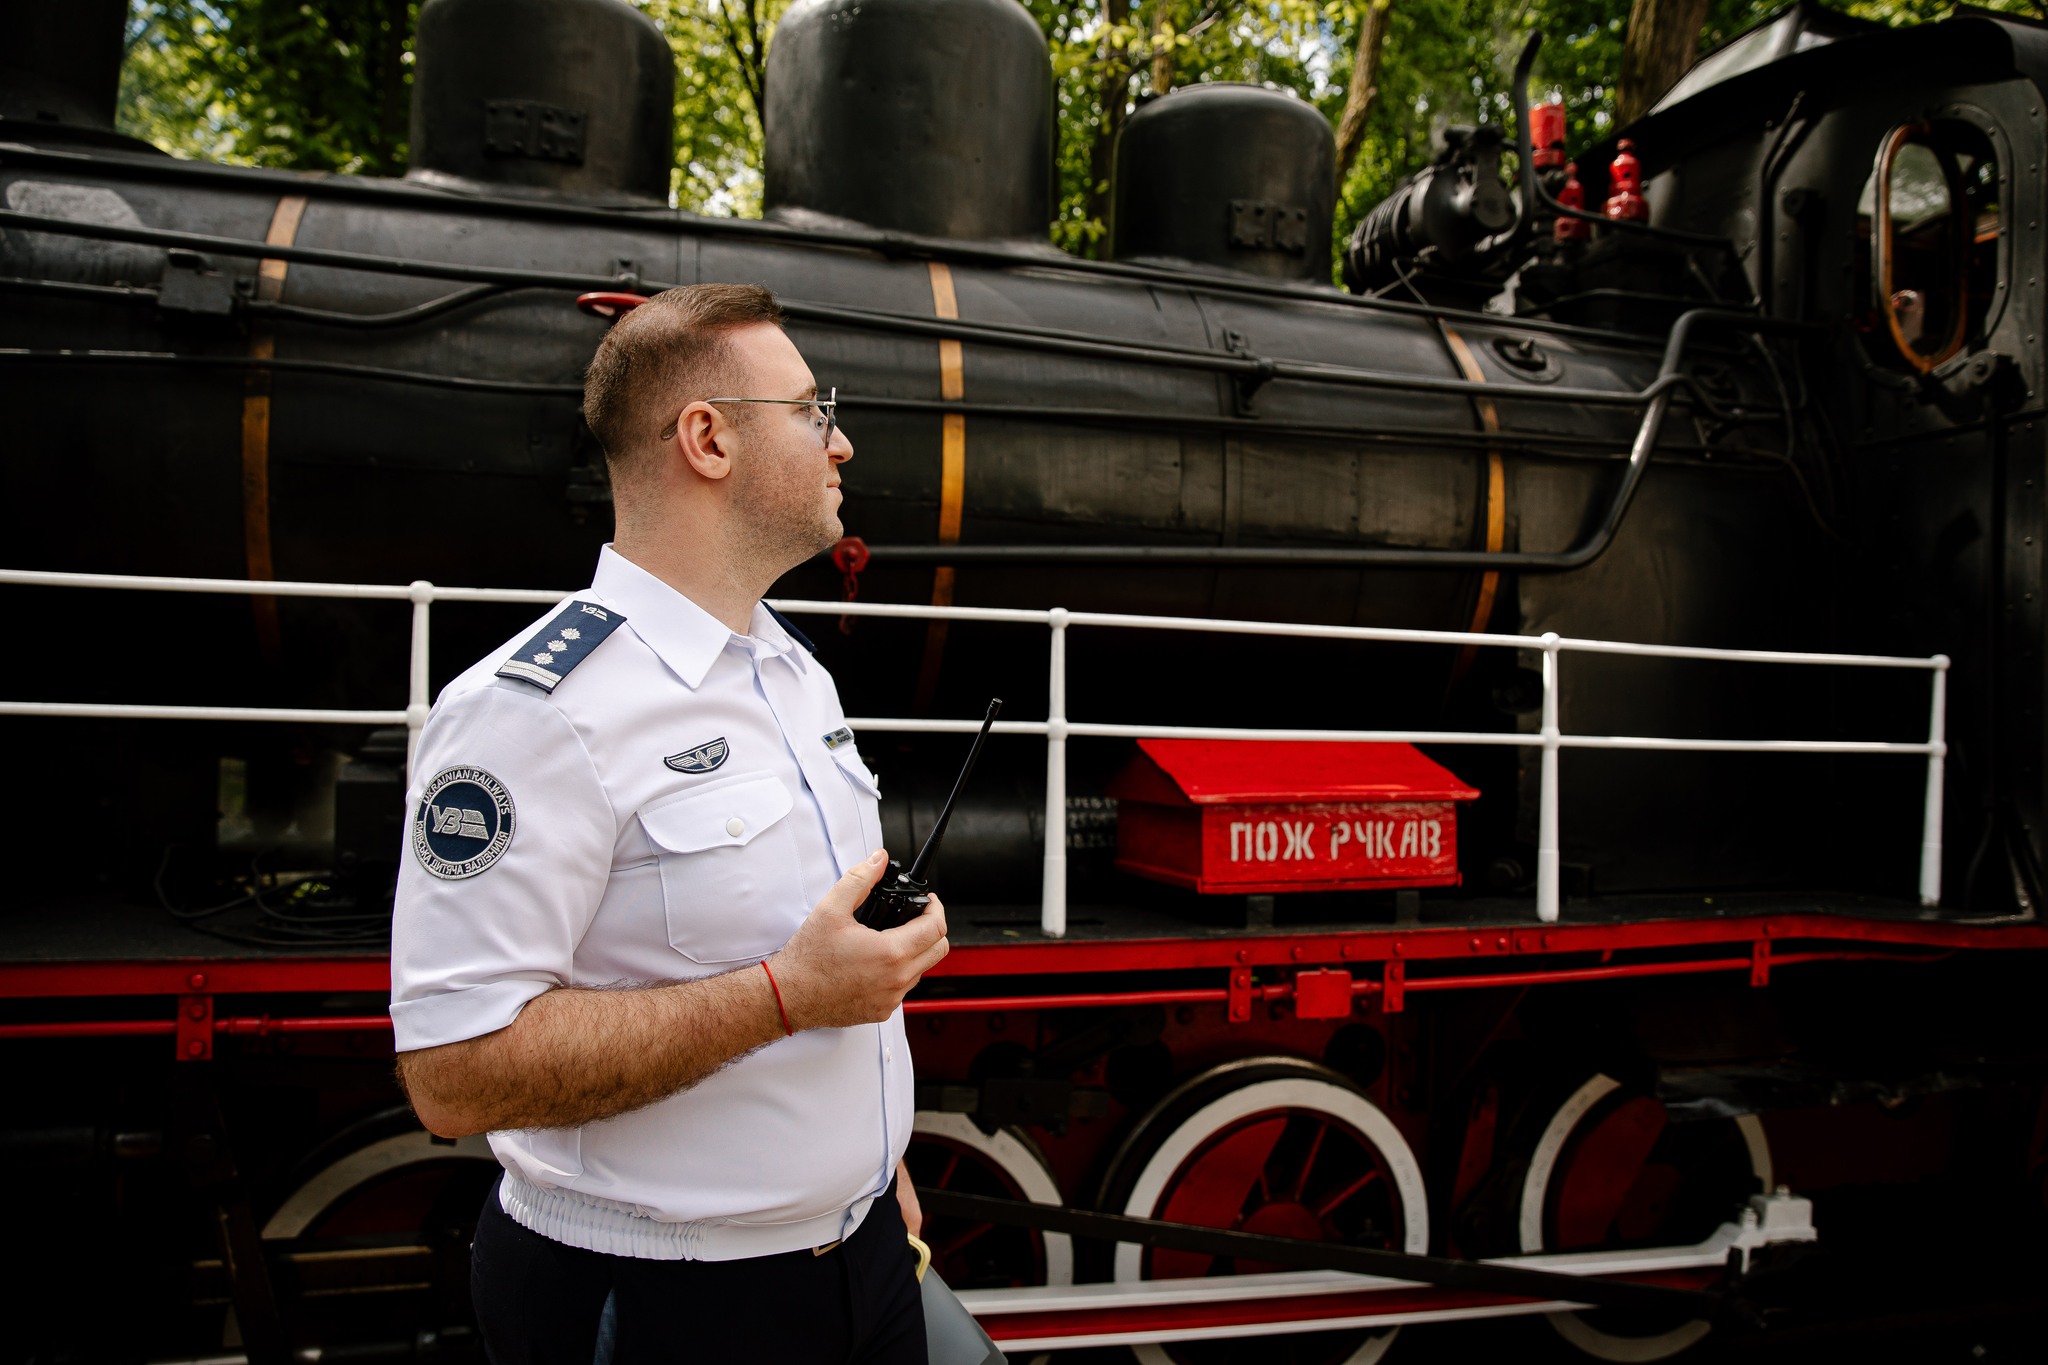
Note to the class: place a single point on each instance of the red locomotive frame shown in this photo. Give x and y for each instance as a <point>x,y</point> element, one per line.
<point>1753,944</point>
<point>1272,992</point>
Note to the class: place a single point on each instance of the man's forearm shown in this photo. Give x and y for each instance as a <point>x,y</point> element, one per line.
<point>575,1056</point>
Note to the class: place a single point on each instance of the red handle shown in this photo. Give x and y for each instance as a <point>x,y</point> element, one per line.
<point>603,305</point>
<point>850,556</point>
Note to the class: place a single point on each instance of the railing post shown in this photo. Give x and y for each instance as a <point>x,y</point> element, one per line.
<point>1052,912</point>
<point>417,700</point>
<point>1546,798</point>
<point>1937,743</point>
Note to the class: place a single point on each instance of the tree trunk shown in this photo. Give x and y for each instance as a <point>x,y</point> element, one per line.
<point>748,46</point>
<point>1162,48</point>
<point>1112,91</point>
<point>1365,74</point>
<point>1662,44</point>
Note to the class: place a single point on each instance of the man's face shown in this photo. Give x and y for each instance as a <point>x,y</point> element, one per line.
<point>785,489</point>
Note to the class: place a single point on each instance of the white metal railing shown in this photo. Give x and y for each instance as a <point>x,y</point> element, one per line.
<point>1057,728</point>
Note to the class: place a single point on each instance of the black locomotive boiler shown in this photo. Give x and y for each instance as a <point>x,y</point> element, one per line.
<point>1785,397</point>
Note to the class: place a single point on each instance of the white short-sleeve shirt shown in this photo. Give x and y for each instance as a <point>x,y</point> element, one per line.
<point>629,793</point>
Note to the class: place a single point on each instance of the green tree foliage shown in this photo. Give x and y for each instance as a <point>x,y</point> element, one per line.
<point>284,83</point>
<point>272,82</point>
<point>721,49</point>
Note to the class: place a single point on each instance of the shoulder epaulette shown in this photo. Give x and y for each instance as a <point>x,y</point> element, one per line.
<point>794,633</point>
<point>561,644</point>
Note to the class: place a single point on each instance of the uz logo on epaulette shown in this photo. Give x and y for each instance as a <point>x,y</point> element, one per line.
<point>455,820</point>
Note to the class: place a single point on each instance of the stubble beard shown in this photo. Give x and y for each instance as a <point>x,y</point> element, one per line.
<point>786,522</point>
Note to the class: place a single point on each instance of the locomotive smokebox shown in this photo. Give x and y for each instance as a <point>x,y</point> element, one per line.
<point>931,117</point>
<point>557,97</point>
<point>60,65</point>
<point>1231,176</point>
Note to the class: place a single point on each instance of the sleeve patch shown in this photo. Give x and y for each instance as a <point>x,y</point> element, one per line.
<point>463,824</point>
<point>562,644</point>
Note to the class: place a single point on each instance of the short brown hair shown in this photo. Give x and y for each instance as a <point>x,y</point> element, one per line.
<point>664,355</point>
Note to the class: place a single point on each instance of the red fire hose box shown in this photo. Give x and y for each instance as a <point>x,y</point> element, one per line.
<point>1249,816</point>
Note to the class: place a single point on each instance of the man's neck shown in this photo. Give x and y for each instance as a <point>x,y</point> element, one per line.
<point>702,571</point>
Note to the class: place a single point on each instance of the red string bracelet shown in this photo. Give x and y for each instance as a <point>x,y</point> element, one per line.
<point>787,1031</point>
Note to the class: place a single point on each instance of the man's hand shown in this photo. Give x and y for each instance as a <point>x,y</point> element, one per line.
<point>906,1199</point>
<point>835,972</point>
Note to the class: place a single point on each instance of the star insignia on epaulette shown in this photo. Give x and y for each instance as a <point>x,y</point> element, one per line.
<point>558,646</point>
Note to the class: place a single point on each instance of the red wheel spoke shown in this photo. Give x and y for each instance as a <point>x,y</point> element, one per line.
<point>956,1245</point>
<point>1273,1151</point>
<point>1609,1159</point>
<point>1308,1162</point>
<point>945,1180</point>
<point>1212,1191</point>
<point>1323,1210</point>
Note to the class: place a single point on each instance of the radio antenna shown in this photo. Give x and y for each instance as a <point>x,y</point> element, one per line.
<point>931,843</point>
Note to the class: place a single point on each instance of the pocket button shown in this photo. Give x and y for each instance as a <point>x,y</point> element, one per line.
<point>735,827</point>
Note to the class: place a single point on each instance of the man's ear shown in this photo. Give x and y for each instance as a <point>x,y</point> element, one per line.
<point>704,439</point>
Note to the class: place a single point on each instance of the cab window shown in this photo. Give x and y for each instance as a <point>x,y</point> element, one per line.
<point>1927,230</point>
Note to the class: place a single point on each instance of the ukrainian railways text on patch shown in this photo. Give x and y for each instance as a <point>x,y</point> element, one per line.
<point>463,824</point>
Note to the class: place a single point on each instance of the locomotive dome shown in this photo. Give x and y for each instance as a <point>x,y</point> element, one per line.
<point>931,117</point>
<point>60,69</point>
<point>1236,176</point>
<point>551,97</point>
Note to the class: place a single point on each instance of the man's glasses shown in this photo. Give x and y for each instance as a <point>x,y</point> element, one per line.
<point>824,414</point>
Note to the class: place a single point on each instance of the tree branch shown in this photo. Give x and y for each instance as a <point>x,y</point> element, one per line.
<point>1364,88</point>
<point>746,56</point>
<point>1162,47</point>
<point>1112,90</point>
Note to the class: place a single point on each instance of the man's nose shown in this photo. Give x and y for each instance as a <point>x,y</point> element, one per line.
<point>841,448</point>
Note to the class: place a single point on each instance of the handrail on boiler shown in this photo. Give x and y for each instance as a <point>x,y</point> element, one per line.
<point>1058,728</point>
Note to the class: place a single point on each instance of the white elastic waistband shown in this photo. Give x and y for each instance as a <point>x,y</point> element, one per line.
<point>579,1221</point>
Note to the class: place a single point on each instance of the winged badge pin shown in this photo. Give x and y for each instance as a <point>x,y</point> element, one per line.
<point>701,759</point>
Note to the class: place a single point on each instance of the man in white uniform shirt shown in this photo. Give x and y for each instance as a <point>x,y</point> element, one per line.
<point>624,942</point>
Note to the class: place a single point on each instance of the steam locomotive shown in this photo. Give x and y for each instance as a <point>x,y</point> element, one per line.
<point>1779,390</point>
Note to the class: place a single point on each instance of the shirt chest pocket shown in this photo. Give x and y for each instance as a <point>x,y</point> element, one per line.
<point>729,881</point>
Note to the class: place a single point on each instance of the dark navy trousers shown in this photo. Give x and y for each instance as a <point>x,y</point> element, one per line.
<point>539,1302</point>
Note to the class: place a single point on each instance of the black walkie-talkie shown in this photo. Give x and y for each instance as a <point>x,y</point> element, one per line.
<point>900,896</point>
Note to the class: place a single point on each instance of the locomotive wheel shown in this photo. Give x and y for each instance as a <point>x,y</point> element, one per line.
<point>358,1208</point>
<point>1610,1171</point>
<point>1271,1145</point>
<point>947,1152</point>
<point>388,1185</point>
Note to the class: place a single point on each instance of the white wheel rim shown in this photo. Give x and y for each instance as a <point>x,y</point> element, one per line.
<point>319,1194</point>
<point>1573,1327</point>
<point>1007,1153</point>
<point>1292,1092</point>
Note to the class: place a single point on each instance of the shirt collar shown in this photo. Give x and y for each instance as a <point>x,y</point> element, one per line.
<point>688,638</point>
<point>770,639</point>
